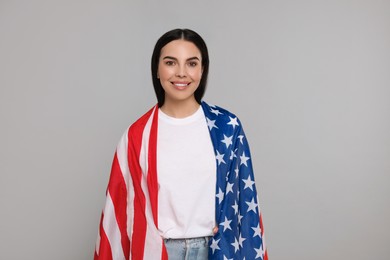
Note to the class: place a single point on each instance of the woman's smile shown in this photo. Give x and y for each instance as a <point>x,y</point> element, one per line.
<point>181,85</point>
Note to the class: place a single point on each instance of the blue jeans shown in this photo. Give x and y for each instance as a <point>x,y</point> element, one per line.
<point>187,248</point>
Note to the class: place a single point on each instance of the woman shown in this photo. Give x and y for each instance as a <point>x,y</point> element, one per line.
<point>182,185</point>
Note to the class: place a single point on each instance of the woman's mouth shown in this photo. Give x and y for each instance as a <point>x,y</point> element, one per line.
<point>181,85</point>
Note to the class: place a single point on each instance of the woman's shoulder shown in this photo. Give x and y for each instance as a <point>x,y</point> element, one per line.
<point>138,126</point>
<point>221,119</point>
<point>217,111</point>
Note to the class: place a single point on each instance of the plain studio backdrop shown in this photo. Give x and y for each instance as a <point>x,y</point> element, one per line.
<point>310,80</point>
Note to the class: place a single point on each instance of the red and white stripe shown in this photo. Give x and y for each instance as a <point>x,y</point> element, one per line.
<point>263,238</point>
<point>131,197</point>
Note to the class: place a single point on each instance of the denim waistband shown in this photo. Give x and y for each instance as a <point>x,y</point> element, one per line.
<point>188,240</point>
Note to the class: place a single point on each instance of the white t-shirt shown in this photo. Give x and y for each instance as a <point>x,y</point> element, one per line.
<point>186,169</point>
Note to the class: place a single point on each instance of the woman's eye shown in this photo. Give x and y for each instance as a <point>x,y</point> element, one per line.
<point>169,63</point>
<point>193,64</point>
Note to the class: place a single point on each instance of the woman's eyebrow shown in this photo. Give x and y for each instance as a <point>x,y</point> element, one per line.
<point>194,58</point>
<point>173,58</point>
<point>169,57</point>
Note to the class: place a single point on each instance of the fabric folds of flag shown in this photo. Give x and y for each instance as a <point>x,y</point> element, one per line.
<point>129,223</point>
<point>241,233</point>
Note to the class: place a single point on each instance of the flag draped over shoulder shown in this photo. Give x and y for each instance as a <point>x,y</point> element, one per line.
<point>241,233</point>
<point>129,222</point>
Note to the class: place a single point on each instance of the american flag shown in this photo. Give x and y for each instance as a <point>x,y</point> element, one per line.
<point>241,233</point>
<point>129,222</point>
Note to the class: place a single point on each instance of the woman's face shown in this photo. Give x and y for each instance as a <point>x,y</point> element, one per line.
<point>180,71</point>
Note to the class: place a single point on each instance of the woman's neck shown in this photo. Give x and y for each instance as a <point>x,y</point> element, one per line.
<point>180,109</point>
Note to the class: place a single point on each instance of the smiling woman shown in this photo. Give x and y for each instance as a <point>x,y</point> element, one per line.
<point>182,184</point>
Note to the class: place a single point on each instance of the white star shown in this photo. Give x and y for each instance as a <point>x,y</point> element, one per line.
<point>215,111</point>
<point>227,176</point>
<point>240,137</point>
<point>241,240</point>
<point>235,244</point>
<point>227,140</point>
<point>219,158</point>
<point>252,205</point>
<point>220,196</point>
<point>233,122</point>
<point>214,245</point>
<point>249,183</point>
<point>244,159</point>
<point>257,231</point>
<point>211,123</point>
<point>235,207</point>
<point>237,171</point>
<point>225,258</point>
<point>226,224</point>
<point>229,188</point>
<point>259,252</point>
<point>233,154</point>
<point>239,218</point>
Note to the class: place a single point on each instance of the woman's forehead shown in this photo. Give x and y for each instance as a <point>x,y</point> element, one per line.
<point>180,49</point>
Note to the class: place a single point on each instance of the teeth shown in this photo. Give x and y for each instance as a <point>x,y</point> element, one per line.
<point>180,85</point>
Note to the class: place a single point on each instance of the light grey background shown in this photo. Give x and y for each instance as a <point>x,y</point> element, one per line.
<point>309,80</point>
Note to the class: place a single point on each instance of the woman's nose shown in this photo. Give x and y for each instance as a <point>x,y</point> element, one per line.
<point>181,71</point>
